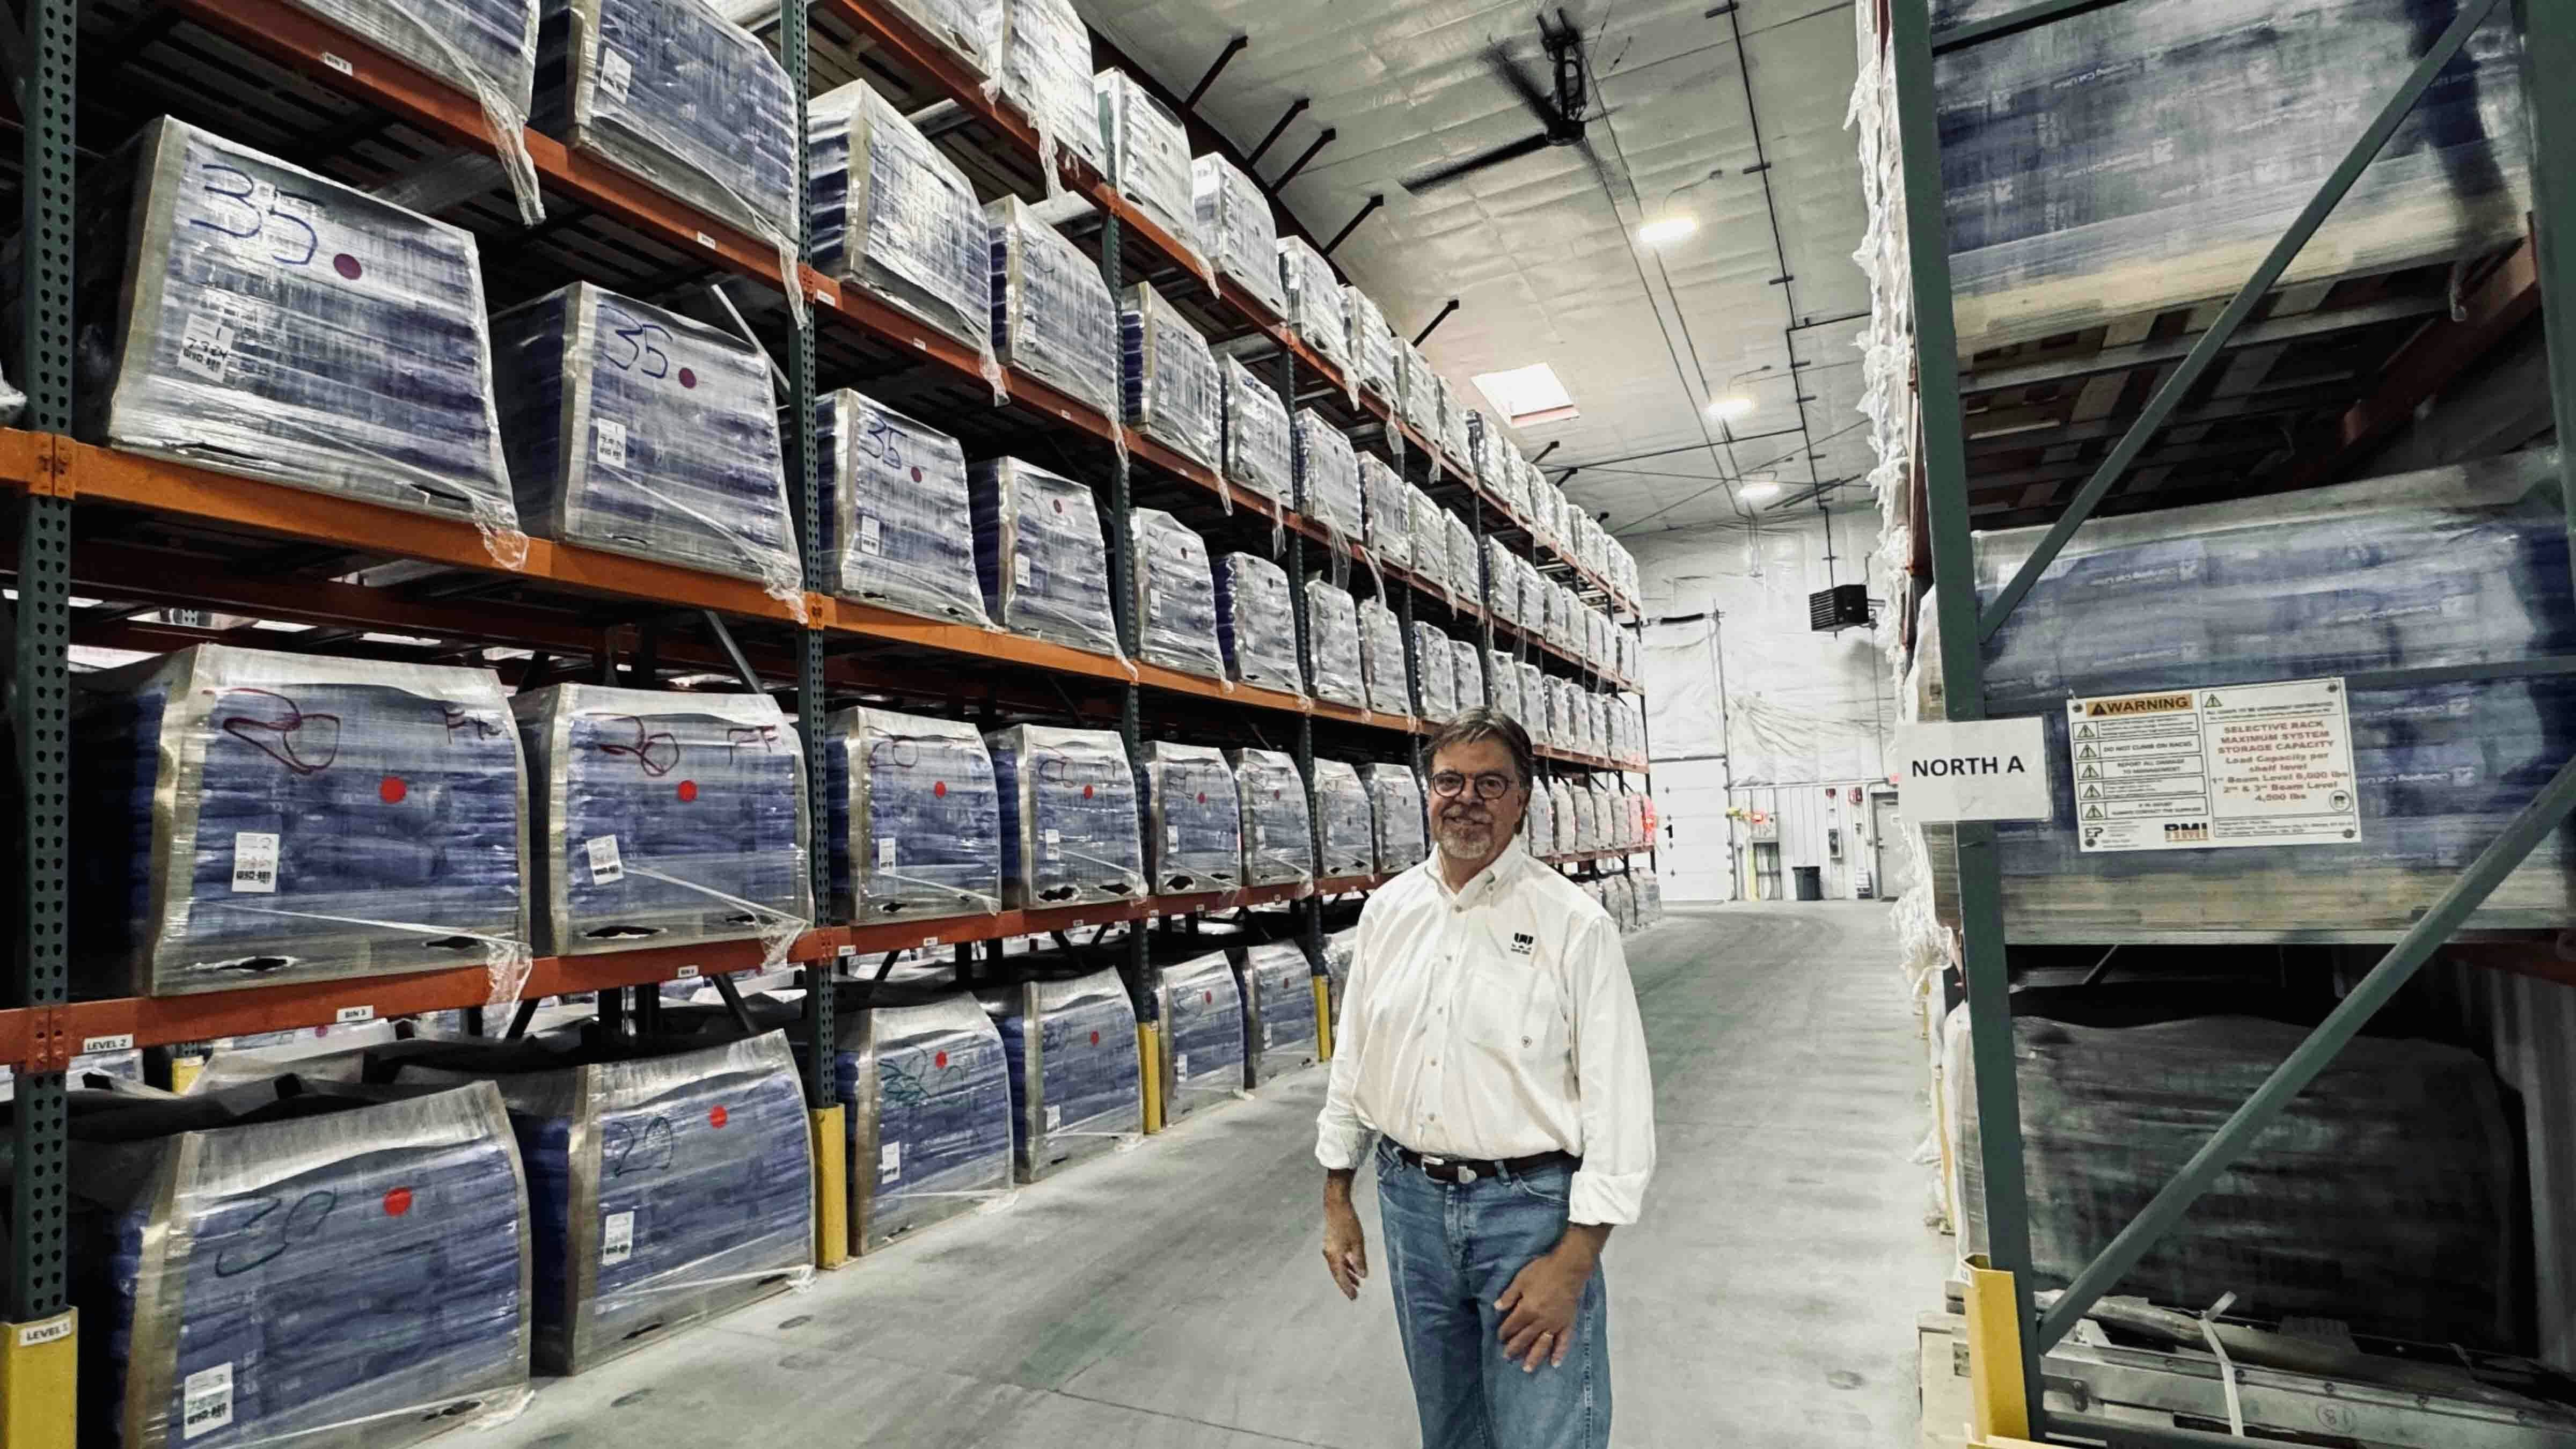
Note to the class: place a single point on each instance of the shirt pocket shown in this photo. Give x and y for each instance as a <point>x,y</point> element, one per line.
<point>1514,1012</point>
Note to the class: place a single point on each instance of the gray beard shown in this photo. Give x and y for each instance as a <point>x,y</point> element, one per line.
<point>1465,843</point>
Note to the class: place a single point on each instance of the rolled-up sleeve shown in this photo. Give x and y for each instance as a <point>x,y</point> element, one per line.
<point>1341,1138</point>
<point>1616,1086</point>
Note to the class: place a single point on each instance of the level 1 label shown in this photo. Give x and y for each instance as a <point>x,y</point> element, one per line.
<point>2195,769</point>
<point>50,1330</point>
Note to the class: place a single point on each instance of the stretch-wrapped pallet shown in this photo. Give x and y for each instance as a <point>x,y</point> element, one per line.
<point>1315,309</point>
<point>925,1089</point>
<point>1038,554</point>
<point>1438,665</point>
<point>1387,508</point>
<point>1278,985</point>
<point>1468,677</point>
<point>1328,478</point>
<point>1373,355</point>
<point>898,526</point>
<point>894,216</point>
<point>914,820</point>
<point>1176,613</point>
<point>1395,809</point>
<point>1258,455</point>
<point>1235,225</point>
<point>1278,835</point>
<point>1046,74</point>
<point>1382,659</point>
<point>1053,317</point>
<point>1194,820</point>
<point>1255,624</point>
<point>1343,820</point>
<point>1068,817</point>
<point>1149,158</point>
<point>1202,1037</point>
<point>1170,384</point>
<point>1333,641</point>
<point>1076,1091</point>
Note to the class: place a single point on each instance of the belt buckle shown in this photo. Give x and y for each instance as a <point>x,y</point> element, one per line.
<point>1466,1175</point>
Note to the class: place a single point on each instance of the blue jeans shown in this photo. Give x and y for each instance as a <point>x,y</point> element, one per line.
<point>1451,1251</point>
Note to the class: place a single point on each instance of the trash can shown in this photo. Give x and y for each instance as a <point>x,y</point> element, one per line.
<point>1809,881</point>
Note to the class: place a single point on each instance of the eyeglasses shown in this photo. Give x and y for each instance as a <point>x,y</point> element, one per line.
<point>1491,785</point>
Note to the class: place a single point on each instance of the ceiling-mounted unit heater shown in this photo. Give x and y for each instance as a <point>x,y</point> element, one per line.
<point>1844,606</point>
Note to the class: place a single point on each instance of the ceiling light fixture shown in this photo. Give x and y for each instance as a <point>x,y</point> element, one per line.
<point>1761,490</point>
<point>1665,229</point>
<point>1527,396</point>
<point>1730,407</point>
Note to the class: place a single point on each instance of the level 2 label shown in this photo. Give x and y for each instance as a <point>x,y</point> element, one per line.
<point>2195,769</point>
<point>1988,769</point>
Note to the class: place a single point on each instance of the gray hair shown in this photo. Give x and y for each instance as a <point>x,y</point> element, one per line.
<point>1477,725</point>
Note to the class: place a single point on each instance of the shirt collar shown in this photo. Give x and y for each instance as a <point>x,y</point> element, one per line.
<point>1483,883</point>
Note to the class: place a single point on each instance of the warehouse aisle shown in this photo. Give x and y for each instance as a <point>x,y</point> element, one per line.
<point>1172,1297</point>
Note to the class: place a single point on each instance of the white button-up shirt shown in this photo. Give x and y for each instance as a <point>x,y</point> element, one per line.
<point>1495,1022</point>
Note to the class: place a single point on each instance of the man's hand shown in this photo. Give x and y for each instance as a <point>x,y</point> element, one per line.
<point>1538,1308</point>
<point>1345,1243</point>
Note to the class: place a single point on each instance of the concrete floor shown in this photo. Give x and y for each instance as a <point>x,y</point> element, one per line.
<point>1172,1297</point>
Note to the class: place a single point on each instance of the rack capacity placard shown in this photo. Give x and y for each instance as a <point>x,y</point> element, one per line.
<point>2193,769</point>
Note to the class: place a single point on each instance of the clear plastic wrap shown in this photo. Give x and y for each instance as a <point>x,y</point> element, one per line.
<point>1150,161</point>
<point>1344,821</point>
<point>485,47</point>
<point>672,93</point>
<point>1053,317</point>
<point>1387,509</point>
<point>1503,685</point>
<point>1257,453</point>
<point>1068,817</point>
<point>1171,388</point>
<point>663,819</point>
<point>1453,423</point>
<point>1256,624</point>
<point>1235,225</point>
<point>2146,156</point>
<point>1419,404</point>
<point>251,317</point>
<point>664,1189</point>
<point>1328,478</point>
<point>1466,568</point>
<point>1467,678</point>
<point>246,817</point>
<point>1278,834</point>
<point>1428,522</point>
<point>1278,985</point>
<point>1650,897</point>
<point>1538,824</point>
<point>1046,73</point>
<point>1339,948</point>
<point>1373,355</point>
<point>1382,659</point>
<point>898,526</point>
<point>1486,455</point>
<point>1395,811</point>
<point>1571,825</point>
<point>1533,696</point>
<point>1176,611</point>
<point>1503,597</point>
<point>1076,1085</point>
<point>970,30</point>
<point>1333,644</point>
<point>1439,666</point>
<point>1194,819</point>
<point>1314,310</point>
<point>925,1089</point>
<point>642,432</point>
<point>1038,553</point>
<point>1203,1038</point>
<point>914,819</point>
<point>894,216</point>
<point>215,1318</point>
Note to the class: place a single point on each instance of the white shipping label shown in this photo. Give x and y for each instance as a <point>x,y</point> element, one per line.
<point>890,1161</point>
<point>1054,1117</point>
<point>1265,1034</point>
<point>610,447</point>
<point>871,534</point>
<point>1054,840</point>
<point>605,867</point>
<point>617,1239</point>
<point>1020,569</point>
<point>254,863</point>
<point>206,1400</point>
<point>1171,837</point>
<point>616,73</point>
<point>206,347</point>
<point>885,852</point>
<point>2198,769</point>
<point>1181,1066</point>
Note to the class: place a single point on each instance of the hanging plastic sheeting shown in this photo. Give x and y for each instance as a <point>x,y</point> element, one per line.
<point>1068,817</point>
<point>2450,568</point>
<point>1236,227</point>
<point>1194,820</point>
<point>248,818</point>
<point>1373,356</point>
<point>1333,637</point>
<point>672,93</point>
<point>1046,73</point>
<point>638,431</point>
<point>1176,610</point>
<point>1038,553</point>
<point>1468,675</point>
<point>1342,814</point>
<point>241,342</point>
<point>915,818</point>
<point>894,217</point>
<point>1202,1040</point>
<point>1315,309</point>
<point>1278,834</point>
<point>666,1186</point>
<point>663,819</point>
<point>1053,317</point>
<point>232,1306</point>
<point>485,47</point>
<point>1172,391</point>
<point>1538,824</point>
<point>1438,666</point>
<point>1150,162</point>
<point>1328,478</point>
<point>1255,625</point>
<point>2147,156</point>
<point>1257,452</point>
<point>1077,1088</point>
<point>1466,572</point>
<point>1395,813</point>
<point>925,1089</point>
<point>1382,659</point>
<point>1278,986</point>
<point>1418,402</point>
<point>898,529</point>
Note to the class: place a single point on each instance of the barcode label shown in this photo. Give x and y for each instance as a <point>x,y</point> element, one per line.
<point>885,852</point>
<point>1182,1067</point>
<point>617,1239</point>
<point>1172,837</point>
<point>610,447</point>
<point>1054,1117</point>
<point>349,1014</point>
<point>616,73</point>
<point>206,1401</point>
<point>890,1162</point>
<point>254,863</point>
<point>605,867</point>
<point>1020,569</point>
<point>336,63</point>
<point>871,535</point>
<point>206,347</point>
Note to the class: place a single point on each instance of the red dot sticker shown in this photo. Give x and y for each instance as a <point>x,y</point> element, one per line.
<point>1095,1038</point>
<point>689,792</point>
<point>1207,998</point>
<point>939,790</point>
<point>688,377</point>
<point>916,475</point>
<point>347,266</point>
<point>716,1115</point>
<point>1059,505</point>
<point>1203,797</point>
<point>397,1201</point>
<point>1086,792</point>
<point>391,789</point>
<point>940,1060</point>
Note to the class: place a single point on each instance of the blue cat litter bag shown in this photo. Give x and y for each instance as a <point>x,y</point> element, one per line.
<point>1194,825</point>
<point>895,217</point>
<point>1075,1088</point>
<point>898,529</point>
<point>1278,1010</point>
<point>1255,624</point>
<point>1069,818</point>
<point>1278,839</point>
<point>1202,1034</point>
<point>915,818</point>
<point>927,1086</point>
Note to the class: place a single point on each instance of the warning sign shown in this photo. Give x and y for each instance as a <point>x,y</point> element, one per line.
<point>2247,764</point>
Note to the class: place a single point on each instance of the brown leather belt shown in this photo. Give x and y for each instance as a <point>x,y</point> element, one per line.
<point>1456,1170</point>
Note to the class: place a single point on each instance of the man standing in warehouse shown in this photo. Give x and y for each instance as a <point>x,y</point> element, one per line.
<point>1490,1037</point>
